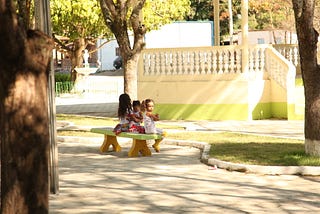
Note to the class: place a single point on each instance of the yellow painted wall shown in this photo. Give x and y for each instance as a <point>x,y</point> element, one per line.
<point>202,92</point>
<point>215,99</point>
<point>180,93</point>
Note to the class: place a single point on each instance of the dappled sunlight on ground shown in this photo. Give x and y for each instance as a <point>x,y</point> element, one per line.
<point>172,181</point>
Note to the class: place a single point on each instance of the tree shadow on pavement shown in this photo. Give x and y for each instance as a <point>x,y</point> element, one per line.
<point>172,181</point>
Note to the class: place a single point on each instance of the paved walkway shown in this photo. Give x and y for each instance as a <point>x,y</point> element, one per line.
<point>279,128</point>
<point>174,180</point>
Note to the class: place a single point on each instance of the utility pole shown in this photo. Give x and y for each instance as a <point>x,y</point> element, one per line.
<point>230,21</point>
<point>244,35</point>
<point>216,17</point>
<point>43,23</point>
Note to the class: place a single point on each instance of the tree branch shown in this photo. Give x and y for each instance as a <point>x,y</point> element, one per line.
<point>61,44</point>
<point>108,9</point>
<point>100,46</point>
<point>138,27</point>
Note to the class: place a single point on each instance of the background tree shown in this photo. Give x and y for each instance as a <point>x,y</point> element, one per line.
<point>82,23</point>
<point>203,10</point>
<point>125,19</point>
<point>270,14</point>
<point>263,15</point>
<point>24,131</point>
<point>308,39</point>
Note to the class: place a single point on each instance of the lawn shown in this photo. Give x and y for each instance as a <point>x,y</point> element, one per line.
<point>227,146</point>
<point>252,149</point>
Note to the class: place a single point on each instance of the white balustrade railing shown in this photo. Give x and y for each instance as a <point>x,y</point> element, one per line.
<point>200,61</point>
<point>290,52</point>
<point>257,58</point>
<point>280,69</point>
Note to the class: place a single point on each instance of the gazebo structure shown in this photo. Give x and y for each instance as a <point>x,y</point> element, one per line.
<point>43,23</point>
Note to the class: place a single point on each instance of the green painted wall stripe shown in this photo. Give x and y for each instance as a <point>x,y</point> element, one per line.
<point>262,111</point>
<point>202,111</point>
<point>226,111</point>
<point>279,110</point>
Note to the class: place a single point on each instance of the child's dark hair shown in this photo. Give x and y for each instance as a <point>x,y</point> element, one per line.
<point>124,105</point>
<point>148,101</point>
<point>136,103</point>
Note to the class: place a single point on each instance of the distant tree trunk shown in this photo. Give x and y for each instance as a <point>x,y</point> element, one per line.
<point>76,56</point>
<point>24,133</point>
<point>116,18</point>
<point>130,76</point>
<point>130,58</point>
<point>308,38</point>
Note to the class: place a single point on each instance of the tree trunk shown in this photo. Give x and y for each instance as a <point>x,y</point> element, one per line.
<point>76,56</point>
<point>116,18</point>
<point>131,76</point>
<point>308,38</point>
<point>24,133</point>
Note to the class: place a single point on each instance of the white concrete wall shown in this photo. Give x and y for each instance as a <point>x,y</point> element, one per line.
<point>177,34</point>
<point>107,54</point>
<point>181,34</point>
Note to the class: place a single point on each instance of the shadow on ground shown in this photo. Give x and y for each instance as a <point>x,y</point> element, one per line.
<point>172,181</point>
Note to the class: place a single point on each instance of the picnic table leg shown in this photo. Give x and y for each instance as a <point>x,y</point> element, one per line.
<point>156,145</point>
<point>110,140</point>
<point>139,146</point>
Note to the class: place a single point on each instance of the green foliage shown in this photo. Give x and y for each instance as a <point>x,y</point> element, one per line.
<point>203,10</point>
<point>64,87</point>
<point>77,19</point>
<point>157,13</point>
<point>262,14</point>
<point>62,77</point>
<point>271,14</point>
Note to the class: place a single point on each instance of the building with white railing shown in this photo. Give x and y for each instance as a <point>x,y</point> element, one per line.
<point>213,83</point>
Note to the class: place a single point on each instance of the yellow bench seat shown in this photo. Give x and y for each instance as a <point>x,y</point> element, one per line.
<point>139,144</point>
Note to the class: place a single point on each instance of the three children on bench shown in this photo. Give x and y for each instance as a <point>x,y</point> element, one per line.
<point>132,115</point>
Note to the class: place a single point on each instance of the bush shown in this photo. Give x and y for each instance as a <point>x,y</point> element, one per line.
<point>62,77</point>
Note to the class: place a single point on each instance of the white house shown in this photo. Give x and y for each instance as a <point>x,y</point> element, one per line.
<point>270,37</point>
<point>177,34</point>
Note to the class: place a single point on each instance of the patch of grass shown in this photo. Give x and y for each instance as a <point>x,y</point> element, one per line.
<point>87,120</point>
<point>252,149</point>
<point>167,126</point>
<point>99,121</point>
<point>227,146</point>
<point>79,134</point>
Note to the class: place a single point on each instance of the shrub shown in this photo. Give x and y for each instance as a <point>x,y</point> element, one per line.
<point>62,77</point>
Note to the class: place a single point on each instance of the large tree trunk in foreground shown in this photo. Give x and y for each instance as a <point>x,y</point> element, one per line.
<point>24,133</point>
<point>308,38</point>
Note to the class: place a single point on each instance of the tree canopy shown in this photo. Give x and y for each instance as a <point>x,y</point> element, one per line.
<point>263,14</point>
<point>271,14</point>
<point>157,13</point>
<point>77,18</point>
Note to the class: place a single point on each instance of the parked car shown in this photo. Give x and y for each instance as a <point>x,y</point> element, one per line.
<point>117,63</point>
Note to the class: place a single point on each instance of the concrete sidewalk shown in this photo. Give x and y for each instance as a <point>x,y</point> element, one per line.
<point>174,180</point>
